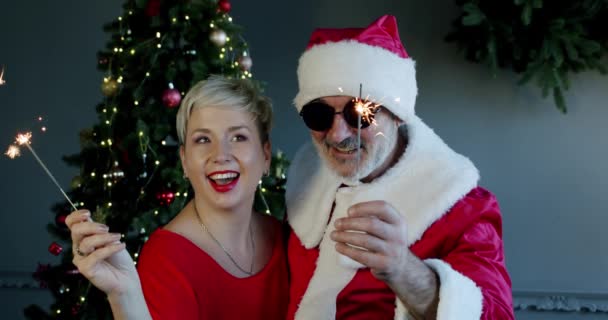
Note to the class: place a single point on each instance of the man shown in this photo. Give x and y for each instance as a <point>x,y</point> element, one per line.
<point>387,221</point>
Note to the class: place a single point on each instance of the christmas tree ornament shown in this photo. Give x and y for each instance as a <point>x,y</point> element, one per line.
<point>76,182</point>
<point>109,87</point>
<point>103,61</point>
<point>60,220</point>
<point>245,62</point>
<point>224,6</point>
<point>171,97</point>
<point>165,197</point>
<point>218,37</point>
<point>153,8</point>
<point>55,249</point>
<point>41,274</point>
<point>75,310</point>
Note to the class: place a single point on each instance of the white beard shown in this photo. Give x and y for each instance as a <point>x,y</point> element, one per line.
<point>367,165</point>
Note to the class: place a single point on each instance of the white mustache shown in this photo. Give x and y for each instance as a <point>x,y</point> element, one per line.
<point>346,144</point>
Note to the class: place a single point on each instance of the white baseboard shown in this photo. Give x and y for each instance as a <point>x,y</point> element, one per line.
<point>560,301</point>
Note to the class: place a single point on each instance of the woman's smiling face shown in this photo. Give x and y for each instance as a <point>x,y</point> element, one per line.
<point>223,156</point>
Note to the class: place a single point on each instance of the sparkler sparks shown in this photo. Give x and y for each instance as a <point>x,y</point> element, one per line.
<point>13,151</point>
<point>25,139</point>
<point>366,110</point>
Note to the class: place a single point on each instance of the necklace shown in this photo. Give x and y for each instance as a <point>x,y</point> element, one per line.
<point>250,272</point>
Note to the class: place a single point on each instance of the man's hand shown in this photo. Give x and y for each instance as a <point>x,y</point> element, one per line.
<point>381,231</point>
<point>375,235</point>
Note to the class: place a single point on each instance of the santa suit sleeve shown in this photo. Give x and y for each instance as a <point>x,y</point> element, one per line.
<point>474,283</point>
<point>168,293</point>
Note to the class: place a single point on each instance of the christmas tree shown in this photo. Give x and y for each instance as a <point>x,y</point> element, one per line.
<point>130,175</point>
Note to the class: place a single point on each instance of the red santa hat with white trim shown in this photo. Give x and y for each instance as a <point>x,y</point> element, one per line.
<point>337,61</point>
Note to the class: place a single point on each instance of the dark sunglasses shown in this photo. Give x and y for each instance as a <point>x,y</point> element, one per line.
<point>319,116</point>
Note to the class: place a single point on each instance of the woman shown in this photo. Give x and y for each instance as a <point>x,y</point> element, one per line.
<point>217,259</point>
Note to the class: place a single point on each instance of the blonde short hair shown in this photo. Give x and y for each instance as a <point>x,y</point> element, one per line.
<point>219,91</point>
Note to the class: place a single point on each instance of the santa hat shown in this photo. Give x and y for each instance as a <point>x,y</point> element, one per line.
<point>337,61</point>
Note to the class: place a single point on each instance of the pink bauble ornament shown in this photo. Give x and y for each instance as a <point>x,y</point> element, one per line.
<point>245,63</point>
<point>171,98</point>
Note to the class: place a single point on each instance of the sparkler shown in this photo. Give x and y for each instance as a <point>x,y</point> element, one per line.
<point>24,139</point>
<point>2,81</point>
<point>366,110</point>
<point>359,108</point>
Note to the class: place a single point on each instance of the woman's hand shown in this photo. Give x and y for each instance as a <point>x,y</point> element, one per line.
<point>100,256</point>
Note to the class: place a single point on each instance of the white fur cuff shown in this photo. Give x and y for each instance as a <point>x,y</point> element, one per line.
<point>459,296</point>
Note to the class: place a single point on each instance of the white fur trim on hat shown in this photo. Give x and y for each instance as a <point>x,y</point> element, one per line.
<point>339,68</point>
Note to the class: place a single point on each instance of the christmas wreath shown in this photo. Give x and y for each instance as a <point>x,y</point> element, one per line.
<point>543,41</point>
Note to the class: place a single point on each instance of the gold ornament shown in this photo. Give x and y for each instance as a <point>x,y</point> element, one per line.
<point>76,182</point>
<point>109,87</point>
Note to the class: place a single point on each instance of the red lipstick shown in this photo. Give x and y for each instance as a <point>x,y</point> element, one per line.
<point>223,187</point>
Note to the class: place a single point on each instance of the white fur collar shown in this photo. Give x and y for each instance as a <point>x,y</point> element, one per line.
<point>428,179</point>
<point>425,183</point>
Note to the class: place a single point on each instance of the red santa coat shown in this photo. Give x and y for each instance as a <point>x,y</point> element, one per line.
<point>453,226</point>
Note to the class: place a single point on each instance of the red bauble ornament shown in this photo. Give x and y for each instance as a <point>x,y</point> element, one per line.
<point>60,220</point>
<point>224,6</point>
<point>153,8</point>
<point>55,249</point>
<point>171,98</point>
<point>75,310</point>
<point>165,197</point>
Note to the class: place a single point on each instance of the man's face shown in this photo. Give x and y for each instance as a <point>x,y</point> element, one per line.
<point>338,145</point>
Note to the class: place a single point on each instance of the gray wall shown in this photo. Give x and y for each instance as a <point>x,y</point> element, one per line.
<point>548,170</point>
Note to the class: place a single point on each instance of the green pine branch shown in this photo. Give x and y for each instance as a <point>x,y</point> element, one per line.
<point>541,40</point>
